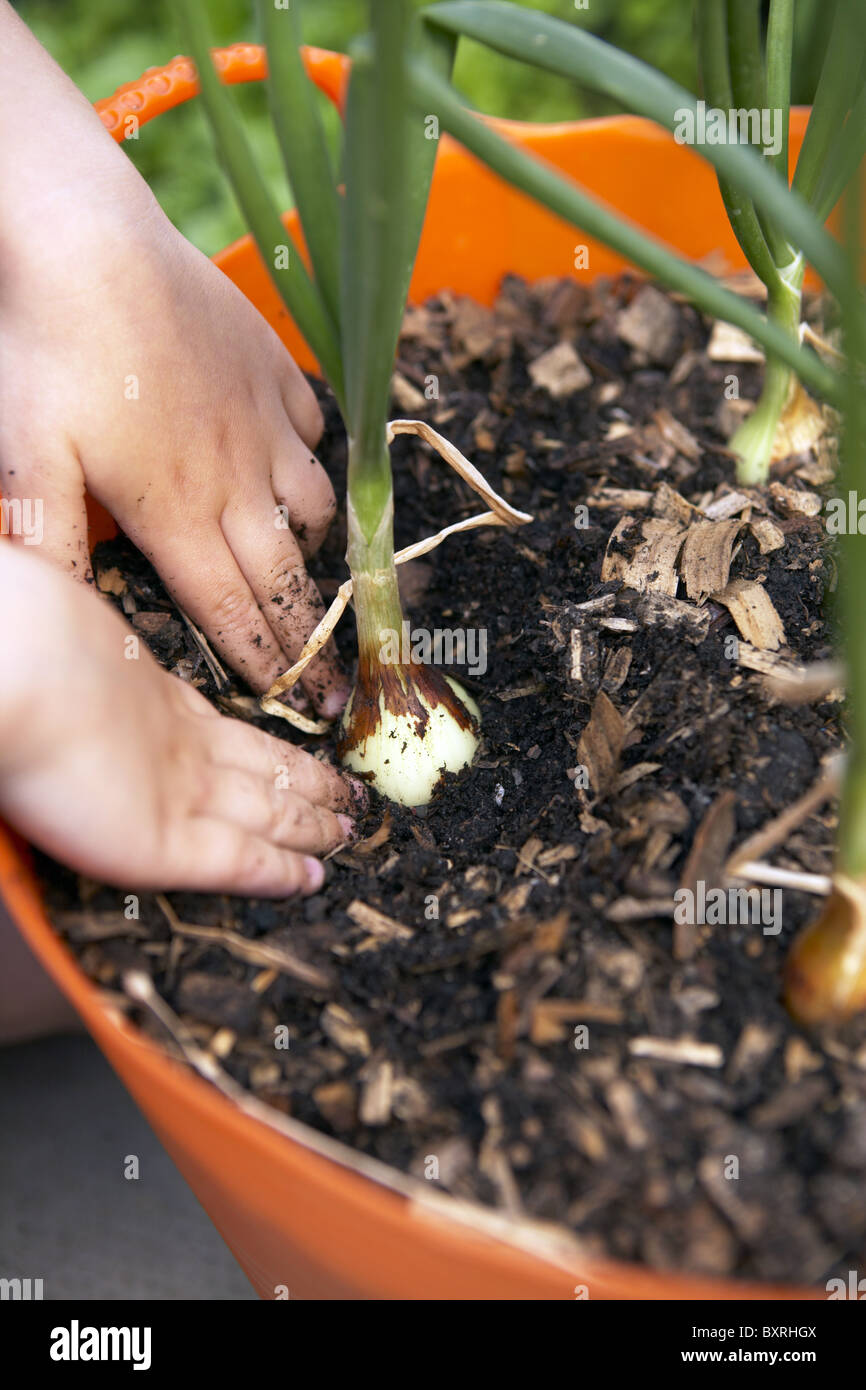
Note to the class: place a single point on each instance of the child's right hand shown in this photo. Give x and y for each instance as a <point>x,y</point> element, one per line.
<point>127,774</point>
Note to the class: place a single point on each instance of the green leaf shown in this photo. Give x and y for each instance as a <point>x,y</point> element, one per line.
<point>711,34</point>
<point>388,164</point>
<point>837,89</point>
<point>304,147</point>
<point>570,51</point>
<point>780,43</point>
<point>852,544</point>
<point>299,294</point>
<point>848,152</point>
<point>748,81</point>
<point>374,238</point>
<point>574,205</point>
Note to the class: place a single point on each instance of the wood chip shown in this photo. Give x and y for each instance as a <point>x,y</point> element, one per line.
<point>268,954</point>
<point>623,498</point>
<point>560,371</point>
<point>651,567</point>
<point>627,909</point>
<point>375,841</point>
<point>549,1017</point>
<point>754,1047</point>
<point>659,610</point>
<point>768,535</point>
<point>408,397</point>
<point>222,1042</point>
<point>676,434</point>
<point>616,668</point>
<point>111,581</point>
<point>730,344</point>
<point>622,1101</point>
<point>635,773</point>
<point>515,898</point>
<point>339,1025</point>
<point>650,324</point>
<point>600,745</point>
<point>790,1103</point>
<point>727,505</point>
<point>337,1102</point>
<point>704,864</point>
<point>150,624</point>
<point>377,1093</point>
<point>682,1050</point>
<point>583,657</point>
<point>775,665</point>
<point>707,553</point>
<point>377,923</point>
<point>754,613</point>
<point>792,501</point>
<point>748,1219</point>
<point>549,934</point>
<point>478,332</point>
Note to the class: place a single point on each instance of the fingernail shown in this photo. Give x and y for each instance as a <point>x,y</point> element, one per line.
<point>315,873</point>
<point>347,825</point>
<point>359,792</point>
<point>334,702</point>
<point>296,698</point>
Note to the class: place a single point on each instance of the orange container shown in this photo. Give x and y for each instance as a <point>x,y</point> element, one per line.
<point>302,1212</point>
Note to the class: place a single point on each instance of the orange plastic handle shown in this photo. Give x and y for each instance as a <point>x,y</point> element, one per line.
<point>161,88</point>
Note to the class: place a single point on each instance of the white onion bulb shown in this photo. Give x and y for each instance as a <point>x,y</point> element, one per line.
<point>406,725</point>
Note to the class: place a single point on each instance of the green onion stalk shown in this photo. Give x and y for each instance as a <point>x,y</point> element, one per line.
<point>779,227</point>
<point>406,724</point>
<point>825,977</point>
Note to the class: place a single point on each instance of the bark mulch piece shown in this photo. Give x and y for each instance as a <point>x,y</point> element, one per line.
<point>498,980</point>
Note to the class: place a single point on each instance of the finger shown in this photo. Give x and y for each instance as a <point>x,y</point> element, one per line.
<point>302,486</point>
<point>299,400</point>
<point>205,580</point>
<point>212,856</point>
<point>235,744</point>
<point>269,810</point>
<point>274,567</point>
<point>47,512</point>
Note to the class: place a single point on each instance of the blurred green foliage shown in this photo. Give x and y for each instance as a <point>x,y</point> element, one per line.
<point>103,43</point>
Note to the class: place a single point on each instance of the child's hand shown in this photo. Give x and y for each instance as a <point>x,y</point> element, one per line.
<point>128,775</point>
<point>130,365</point>
<point>142,373</point>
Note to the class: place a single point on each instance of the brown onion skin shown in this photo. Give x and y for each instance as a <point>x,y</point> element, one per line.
<point>816,989</point>
<point>401,685</point>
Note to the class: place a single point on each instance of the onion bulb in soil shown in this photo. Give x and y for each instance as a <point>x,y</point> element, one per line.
<point>825,974</point>
<point>405,726</point>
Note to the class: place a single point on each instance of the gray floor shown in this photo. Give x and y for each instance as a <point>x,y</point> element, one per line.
<point>67,1213</point>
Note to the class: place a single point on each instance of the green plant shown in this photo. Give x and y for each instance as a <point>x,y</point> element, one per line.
<point>405,722</point>
<point>826,969</point>
<point>779,227</point>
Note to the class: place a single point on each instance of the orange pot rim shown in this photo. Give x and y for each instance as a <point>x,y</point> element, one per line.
<point>546,1258</point>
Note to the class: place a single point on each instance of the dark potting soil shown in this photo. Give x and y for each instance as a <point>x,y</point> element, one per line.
<point>497,981</point>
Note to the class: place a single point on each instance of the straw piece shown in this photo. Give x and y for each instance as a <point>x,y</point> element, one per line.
<point>508,515</point>
<point>500,514</point>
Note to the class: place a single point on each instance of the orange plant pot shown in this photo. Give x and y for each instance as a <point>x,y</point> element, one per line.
<point>300,1211</point>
